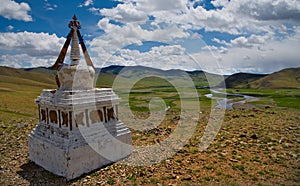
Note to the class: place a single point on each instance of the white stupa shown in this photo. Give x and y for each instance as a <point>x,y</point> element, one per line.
<point>79,130</point>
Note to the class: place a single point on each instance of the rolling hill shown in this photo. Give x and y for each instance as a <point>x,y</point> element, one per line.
<point>44,77</point>
<point>242,80</point>
<point>286,78</point>
<point>27,77</point>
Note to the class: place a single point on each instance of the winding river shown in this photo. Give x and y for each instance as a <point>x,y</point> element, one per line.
<point>228,103</point>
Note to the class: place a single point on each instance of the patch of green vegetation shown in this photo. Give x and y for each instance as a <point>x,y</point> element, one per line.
<point>282,97</point>
<point>110,181</point>
<point>154,180</point>
<point>239,167</point>
<point>16,113</point>
<point>291,102</point>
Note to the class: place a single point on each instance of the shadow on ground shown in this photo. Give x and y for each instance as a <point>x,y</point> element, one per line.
<point>36,175</point>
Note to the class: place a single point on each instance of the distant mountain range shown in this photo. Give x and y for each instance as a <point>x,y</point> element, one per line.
<point>42,76</point>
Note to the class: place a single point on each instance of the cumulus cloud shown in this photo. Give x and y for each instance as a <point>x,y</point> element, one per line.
<point>276,55</point>
<point>13,10</point>
<point>256,30</point>
<point>163,57</point>
<point>271,10</point>
<point>125,13</point>
<point>33,44</point>
<point>132,33</point>
<point>264,35</point>
<point>222,42</point>
<point>24,60</point>
<point>161,5</point>
<point>249,42</point>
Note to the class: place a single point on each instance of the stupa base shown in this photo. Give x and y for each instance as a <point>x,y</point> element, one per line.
<point>73,160</point>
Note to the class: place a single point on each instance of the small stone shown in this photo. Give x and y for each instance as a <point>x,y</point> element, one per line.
<point>293,155</point>
<point>223,154</point>
<point>239,157</point>
<point>188,177</point>
<point>21,125</point>
<point>243,143</point>
<point>242,135</point>
<point>274,155</point>
<point>254,136</point>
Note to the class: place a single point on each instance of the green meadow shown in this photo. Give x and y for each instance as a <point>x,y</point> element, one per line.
<point>289,98</point>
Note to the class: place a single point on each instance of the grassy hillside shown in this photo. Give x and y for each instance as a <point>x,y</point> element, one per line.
<point>107,75</point>
<point>242,80</point>
<point>287,78</point>
<point>31,77</point>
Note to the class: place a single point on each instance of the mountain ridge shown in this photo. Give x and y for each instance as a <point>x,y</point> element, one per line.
<point>285,78</point>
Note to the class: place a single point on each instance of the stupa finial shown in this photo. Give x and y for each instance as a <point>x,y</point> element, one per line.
<point>74,23</point>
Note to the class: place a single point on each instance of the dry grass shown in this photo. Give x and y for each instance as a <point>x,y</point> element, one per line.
<point>253,147</point>
<point>258,147</point>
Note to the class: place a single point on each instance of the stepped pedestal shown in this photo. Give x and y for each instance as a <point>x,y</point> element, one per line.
<point>79,131</point>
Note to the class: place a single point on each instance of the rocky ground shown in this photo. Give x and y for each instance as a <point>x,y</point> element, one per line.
<point>257,146</point>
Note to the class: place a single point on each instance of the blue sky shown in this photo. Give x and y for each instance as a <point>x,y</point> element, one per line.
<point>220,36</point>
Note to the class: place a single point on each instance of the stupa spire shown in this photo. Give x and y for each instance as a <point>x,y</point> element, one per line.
<point>77,39</point>
<point>75,52</point>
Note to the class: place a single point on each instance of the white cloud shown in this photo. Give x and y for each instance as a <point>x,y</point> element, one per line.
<point>10,27</point>
<point>125,13</point>
<point>163,57</point>
<point>249,42</point>
<point>271,10</point>
<point>13,10</point>
<point>220,3</point>
<point>132,33</point>
<point>33,44</point>
<point>247,19</point>
<point>24,60</point>
<point>49,6</point>
<point>222,42</point>
<point>95,11</point>
<point>161,5</point>
<point>87,3</point>
<point>241,42</point>
<point>266,35</point>
<point>277,54</point>
<point>106,26</point>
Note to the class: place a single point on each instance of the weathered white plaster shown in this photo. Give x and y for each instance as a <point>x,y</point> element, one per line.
<point>72,149</point>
